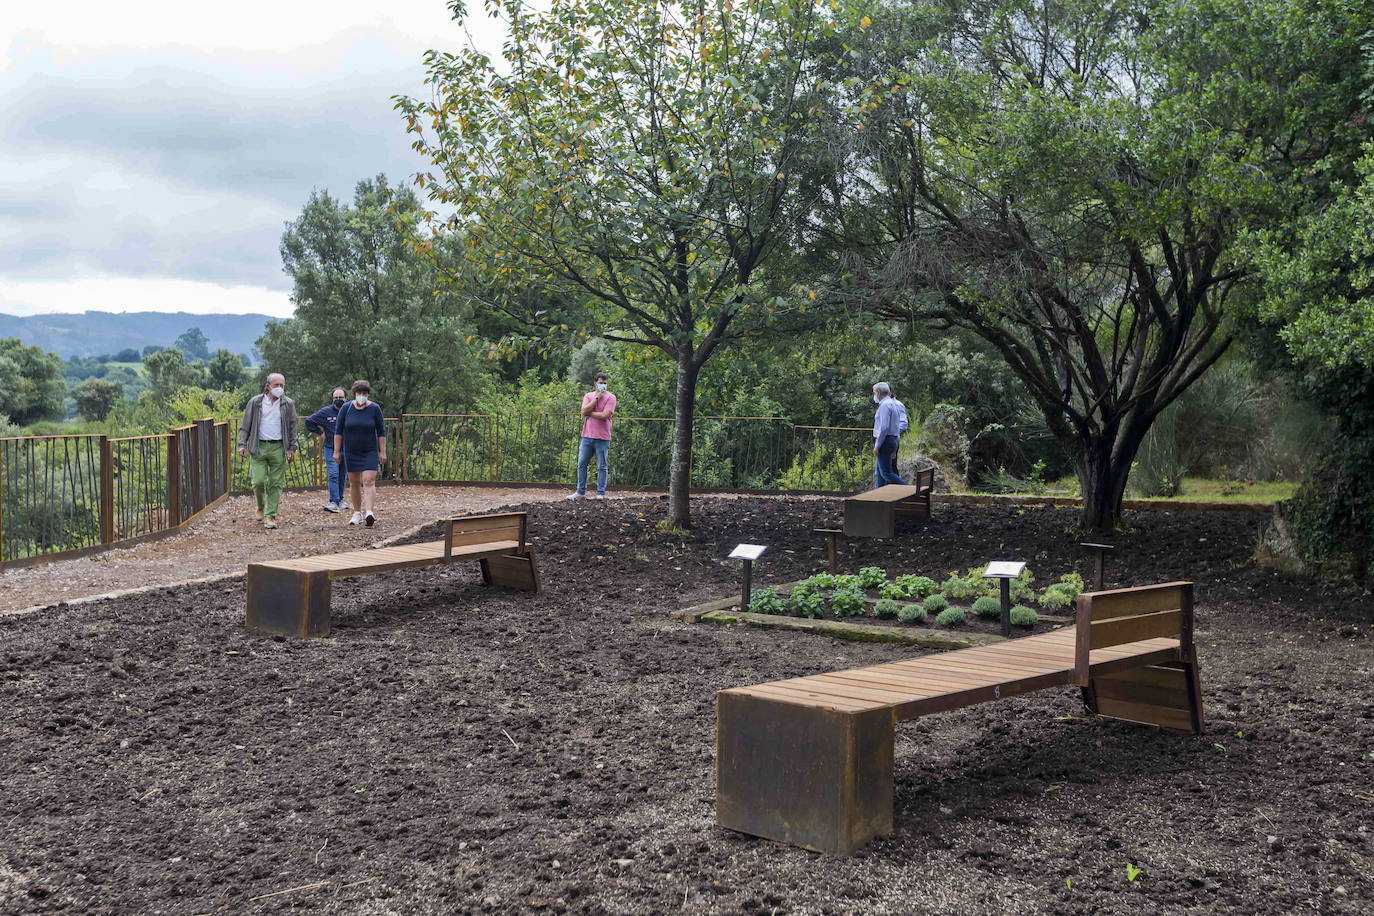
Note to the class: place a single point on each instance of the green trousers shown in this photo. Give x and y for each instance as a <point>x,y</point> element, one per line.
<point>267,473</point>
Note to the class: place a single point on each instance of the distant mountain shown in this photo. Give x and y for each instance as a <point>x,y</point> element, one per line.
<point>94,333</point>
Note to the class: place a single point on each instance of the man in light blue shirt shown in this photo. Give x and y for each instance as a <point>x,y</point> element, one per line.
<point>886,435</point>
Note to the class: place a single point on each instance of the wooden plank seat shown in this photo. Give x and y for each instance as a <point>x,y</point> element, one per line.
<point>873,513</point>
<point>291,597</point>
<point>808,760</point>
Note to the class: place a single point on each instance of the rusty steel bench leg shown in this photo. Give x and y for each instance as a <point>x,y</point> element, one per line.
<point>868,518</point>
<point>518,571</point>
<point>287,602</point>
<point>816,778</point>
<point>1167,695</point>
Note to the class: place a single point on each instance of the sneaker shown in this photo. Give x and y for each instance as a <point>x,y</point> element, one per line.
<point>331,507</point>
<point>357,519</point>
<point>369,520</point>
<point>572,496</point>
<point>269,523</point>
<point>601,496</point>
<point>260,514</point>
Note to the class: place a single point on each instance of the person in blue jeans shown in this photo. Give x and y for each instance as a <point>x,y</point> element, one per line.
<point>321,423</point>
<point>886,436</point>
<point>598,405</point>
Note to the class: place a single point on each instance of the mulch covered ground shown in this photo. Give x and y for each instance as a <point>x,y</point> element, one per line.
<point>453,748</point>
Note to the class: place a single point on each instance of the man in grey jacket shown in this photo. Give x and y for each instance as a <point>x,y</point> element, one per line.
<point>268,434</point>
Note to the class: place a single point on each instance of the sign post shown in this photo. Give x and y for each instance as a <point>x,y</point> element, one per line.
<point>1004,571</point>
<point>748,553</point>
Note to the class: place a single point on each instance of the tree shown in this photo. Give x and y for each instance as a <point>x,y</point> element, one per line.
<point>151,349</point>
<point>194,344</point>
<point>127,355</point>
<point>639,159</point>
<point>95,398</point>
<point>1072,182</point>
<point>224,371</point>
<point>166,372</point>
<point>31,383</point>
<point>370,304</point>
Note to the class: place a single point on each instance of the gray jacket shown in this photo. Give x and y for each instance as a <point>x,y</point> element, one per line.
<point>252,414</point>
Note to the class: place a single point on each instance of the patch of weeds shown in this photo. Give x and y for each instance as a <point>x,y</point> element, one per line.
<point>892,590</point>
<point>848,602</point>
<point>822,580</point>
<point>950,617</point>
<point>1132,873</point>
<point>807,603</point>
<point>767,601</point>
<point>1022,616</point>
<point>1056,598</point>
<point>872,577</point>
<point>957,588</point>
<point>911,613</point>
<point>918,586</point>
<point>848,582</point>
<point>886,608</point>
<point>988,607</point>
<point>934,604</point>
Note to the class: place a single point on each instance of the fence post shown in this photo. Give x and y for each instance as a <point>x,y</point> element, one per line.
<point>401,442</point>
<point>225,451</point>
<point>106,491</point>
<point>173,481</point>
<point>494,446</point>
<point>2,506</point>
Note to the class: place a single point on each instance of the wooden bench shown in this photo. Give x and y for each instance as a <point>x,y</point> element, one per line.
<point>291,597</point>
<point>873,513</point>
<point>808,761</point>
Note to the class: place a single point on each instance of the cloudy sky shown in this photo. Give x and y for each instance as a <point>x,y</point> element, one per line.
<point>151,151</point>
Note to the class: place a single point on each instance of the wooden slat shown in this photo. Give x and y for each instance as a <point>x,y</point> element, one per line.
<point>1125,602</point>
<point>984,694</point>
<point>922,680</point>
<point>1174,697</point>
<point>1118,631</point>
<point>486,535</point>
<point>849,690</point>
<point>783,695</point>
<point>888,493</point>
<point>1146,714</point>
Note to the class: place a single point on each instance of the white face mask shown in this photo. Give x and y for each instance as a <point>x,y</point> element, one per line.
<point>600,386</point>
<point>278,391</point>
<point>877,400</point>
<point>360,399</point>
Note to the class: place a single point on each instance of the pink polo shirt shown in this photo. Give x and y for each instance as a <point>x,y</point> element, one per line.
<point>592,428</point>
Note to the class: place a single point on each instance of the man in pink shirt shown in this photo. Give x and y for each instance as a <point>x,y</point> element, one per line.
<point>597,406</point>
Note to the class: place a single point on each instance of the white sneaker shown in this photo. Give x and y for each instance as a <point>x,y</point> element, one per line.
<point>601,496</point>
<point>572,496</point>
<point>331,507</point>
<point>357,519</point>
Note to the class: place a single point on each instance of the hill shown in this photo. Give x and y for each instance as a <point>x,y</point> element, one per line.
<point>93,333</point>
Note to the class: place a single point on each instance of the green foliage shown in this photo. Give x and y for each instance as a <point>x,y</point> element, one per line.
<point>167,372</point>
<point>848,602</point>
<point>373,301</point>
<point>934,604</point>
<point>95,398</point>
<point>988,607</point>
<point>823,580</point>
<point>849,581</point>
<point>1071,582</point>
<point>225,372</point>
<point>892,590</point>
<point>587,360</point>
<point>827,467</point>
<point>872,577</point>
<point>806,603</point>
<point>194,344</point>
<point>950,617</point>
<point>918,586</point>
<point>31,383</point>
<point>767,601</point>
<point>1022,616</point>
<point>911,613</point>
<point>886,607</point>
<point>1056,598</point>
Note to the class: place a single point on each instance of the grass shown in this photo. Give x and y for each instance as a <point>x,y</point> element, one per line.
<point>1201,489</point>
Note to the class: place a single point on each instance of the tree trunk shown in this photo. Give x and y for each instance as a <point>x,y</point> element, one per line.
<point>1104,467</point>
<point>680,470</point>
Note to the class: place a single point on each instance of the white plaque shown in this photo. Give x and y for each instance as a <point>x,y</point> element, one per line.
<point>748,552</point>
<point>1008,569</point>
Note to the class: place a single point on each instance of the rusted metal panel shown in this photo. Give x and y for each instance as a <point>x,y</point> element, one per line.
<point>287,602</point>
<point>865,518</point>
<point>812,776</point>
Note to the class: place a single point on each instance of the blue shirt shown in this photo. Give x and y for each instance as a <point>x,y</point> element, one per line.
<point>887,421</point>
<point>902,424</point>
<point>321,423</point>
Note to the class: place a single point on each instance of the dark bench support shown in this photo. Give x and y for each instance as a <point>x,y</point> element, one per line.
<point>512,571</point>
<point>286,602</point>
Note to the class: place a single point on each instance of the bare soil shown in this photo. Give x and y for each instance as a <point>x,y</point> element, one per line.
<point>454,748</point>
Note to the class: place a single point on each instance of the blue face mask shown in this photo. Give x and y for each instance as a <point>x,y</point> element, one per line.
<point>600,386</point>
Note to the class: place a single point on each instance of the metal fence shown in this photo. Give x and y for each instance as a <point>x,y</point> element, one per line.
<point>67,494</point>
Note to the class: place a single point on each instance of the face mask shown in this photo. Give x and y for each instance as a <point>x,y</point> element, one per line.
<point>600,386</point>
<point>877,400</point>
<point>360,399</point>
<point>338,402</point>
<point>278,392</point>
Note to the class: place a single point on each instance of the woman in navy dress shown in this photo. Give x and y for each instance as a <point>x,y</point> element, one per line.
<point>360,446</point>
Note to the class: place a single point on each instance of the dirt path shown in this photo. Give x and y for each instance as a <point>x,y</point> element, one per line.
<point>228,538</point>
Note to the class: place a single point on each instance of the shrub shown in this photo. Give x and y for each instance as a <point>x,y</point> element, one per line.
<point>918,586</point>
<point>950,617</point>
<point>886,608</point>
<point>934,604</point>
<point>911,613</point>
<point>1056,598</point>
<point>848,582</point>
<point>823,580</point>
<point>1022,616</point>
<point>1070,582</point>
<point>872,577</point>
<point>767,601</point>
<point>848,602</point>
<point>957,588</point>
<point>807,603</point>
<point>892,590</point>
<point>988,606</point>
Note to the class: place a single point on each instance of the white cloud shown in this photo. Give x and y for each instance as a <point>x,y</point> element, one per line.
<point>150,152</point>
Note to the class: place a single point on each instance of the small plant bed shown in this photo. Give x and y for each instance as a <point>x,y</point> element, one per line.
<point>955,602</point>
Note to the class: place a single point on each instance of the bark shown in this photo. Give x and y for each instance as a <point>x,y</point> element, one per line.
<point>1104,467</point>
<point>680,469</point>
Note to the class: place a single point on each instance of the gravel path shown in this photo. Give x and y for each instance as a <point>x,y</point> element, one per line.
<point>228,538</point>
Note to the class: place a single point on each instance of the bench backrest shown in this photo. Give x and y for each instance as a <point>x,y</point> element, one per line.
<point>483,529</point>
<point>1126,615</point>
<point>925,480</point>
